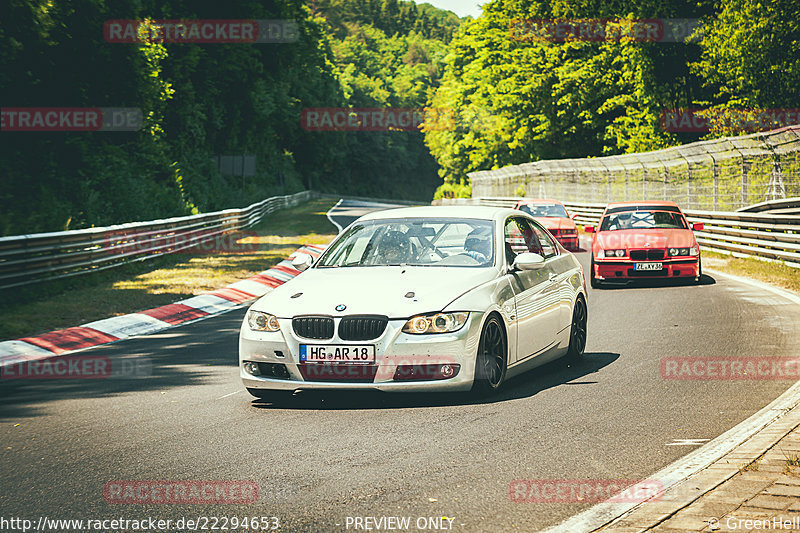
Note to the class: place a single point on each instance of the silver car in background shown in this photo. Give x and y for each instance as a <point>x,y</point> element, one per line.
<point>419,299</point>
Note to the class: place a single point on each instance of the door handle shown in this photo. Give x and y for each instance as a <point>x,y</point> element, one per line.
<point>553,276</point>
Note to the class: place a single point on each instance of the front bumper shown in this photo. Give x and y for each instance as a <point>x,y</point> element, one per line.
<point>393,348</point>
<point>569,242</point>
<point>610,270</point>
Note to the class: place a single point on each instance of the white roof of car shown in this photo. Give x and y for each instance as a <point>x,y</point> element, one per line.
<point>444,211</point>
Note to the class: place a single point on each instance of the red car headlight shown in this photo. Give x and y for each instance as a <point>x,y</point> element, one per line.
<point>611,253</point>
<point>683,252</point>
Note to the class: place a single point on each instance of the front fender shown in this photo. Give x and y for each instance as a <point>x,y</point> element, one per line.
<point>495,296</point>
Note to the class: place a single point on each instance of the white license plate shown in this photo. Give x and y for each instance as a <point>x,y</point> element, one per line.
<point>648,266</point>
<point>355,354</point>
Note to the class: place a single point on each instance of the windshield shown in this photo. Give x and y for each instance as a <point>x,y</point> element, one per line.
<point>413,242</point>
<point>649,219</point>
<point>544,210</point>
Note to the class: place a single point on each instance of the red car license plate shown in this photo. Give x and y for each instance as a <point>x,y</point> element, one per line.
<point>648,266</point>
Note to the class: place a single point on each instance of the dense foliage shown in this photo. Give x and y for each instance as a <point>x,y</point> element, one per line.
<point>553,99</point>
<point>577,98</point>
<point>751,56</point>
<point>201,101</point>
<point>509,100</point>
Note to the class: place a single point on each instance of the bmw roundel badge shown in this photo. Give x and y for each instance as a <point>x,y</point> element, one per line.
<point>341,307</point>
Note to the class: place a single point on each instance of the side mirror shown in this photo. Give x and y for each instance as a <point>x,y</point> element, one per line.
<point>302,262</point>
<point>528,261</point>
<point>698,226</point>
<point>588,229</point>
<point>573,215</point>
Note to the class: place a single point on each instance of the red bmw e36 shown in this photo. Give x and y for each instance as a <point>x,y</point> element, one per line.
<point>553,216</point>
<point>637,240</point>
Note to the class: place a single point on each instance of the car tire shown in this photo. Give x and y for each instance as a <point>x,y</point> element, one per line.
<point>491,361</point>
<point>577,330</point>
<point>593,281</point>
<point>699,277</point>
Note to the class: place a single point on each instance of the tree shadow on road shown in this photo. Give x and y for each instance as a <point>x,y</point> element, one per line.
<point>523,386</point>
<point>188,355</point>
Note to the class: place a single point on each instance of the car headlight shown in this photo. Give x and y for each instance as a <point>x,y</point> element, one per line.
<point>684,251</point>
<point>611,253</point>
<point>435,323</point>
<point>259,321</point>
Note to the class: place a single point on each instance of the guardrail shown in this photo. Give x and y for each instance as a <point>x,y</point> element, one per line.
<point>722,174</point>
<point>26,259</point>
<point>773,237</point>
<point>788,206</point>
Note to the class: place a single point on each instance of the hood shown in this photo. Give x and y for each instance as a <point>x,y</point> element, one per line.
<point>552,223</point>
<point>372,291</point>
<point>639,238</point>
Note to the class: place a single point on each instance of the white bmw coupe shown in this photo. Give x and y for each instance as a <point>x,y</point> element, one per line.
<point>419,299</point>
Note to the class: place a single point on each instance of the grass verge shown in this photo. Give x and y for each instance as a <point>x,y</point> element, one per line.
<point>776,274</point>
<point>130,288</point>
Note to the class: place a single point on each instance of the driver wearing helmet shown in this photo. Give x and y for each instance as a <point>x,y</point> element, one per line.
<point>395,248</point>
<point>478,245</point>
<point>624,221</point>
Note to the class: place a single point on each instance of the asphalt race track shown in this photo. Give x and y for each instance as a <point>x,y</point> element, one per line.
<point>319,459</point>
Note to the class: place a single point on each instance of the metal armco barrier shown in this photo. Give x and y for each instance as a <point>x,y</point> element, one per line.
<point>26,259</point>
<point>789,206</point>
<point>722,174</point>
<point>762,235</point>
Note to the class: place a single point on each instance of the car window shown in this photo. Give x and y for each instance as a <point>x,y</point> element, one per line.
<point>544,210</point>
<point>519,238</point>
<point>549,248</point>
<point>644,219</point>
<point>413,242</point>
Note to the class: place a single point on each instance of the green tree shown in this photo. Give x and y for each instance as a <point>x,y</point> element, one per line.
<point>751,55</point>
<point>556,99</point>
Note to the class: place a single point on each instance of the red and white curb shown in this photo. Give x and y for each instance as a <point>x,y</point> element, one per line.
<point>108,330</point>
